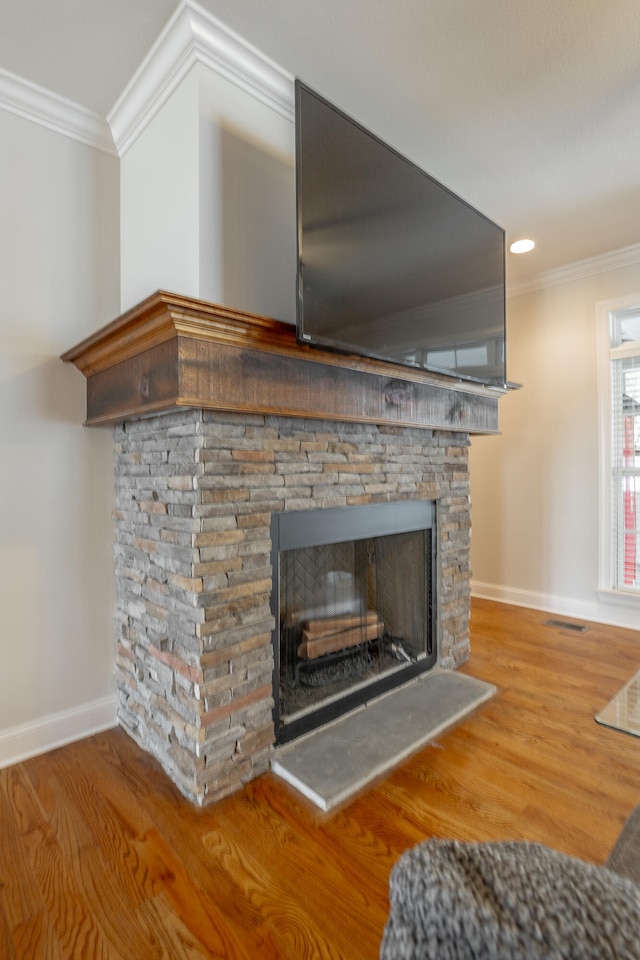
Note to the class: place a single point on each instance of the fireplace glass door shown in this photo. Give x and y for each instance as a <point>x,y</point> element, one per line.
<point>353,607</point>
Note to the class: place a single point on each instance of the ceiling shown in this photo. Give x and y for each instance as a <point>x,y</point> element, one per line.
<point>530,111</point>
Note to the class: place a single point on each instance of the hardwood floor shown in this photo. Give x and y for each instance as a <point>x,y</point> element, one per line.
<point>102,858</point>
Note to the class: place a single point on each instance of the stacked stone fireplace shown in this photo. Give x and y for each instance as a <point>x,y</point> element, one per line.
<point>195,495</point>
<point>215,435</point>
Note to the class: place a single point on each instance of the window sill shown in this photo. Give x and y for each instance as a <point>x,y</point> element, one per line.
<point>619,598</point>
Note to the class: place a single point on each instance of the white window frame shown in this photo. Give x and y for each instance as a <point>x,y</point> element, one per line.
<point>605,312</point>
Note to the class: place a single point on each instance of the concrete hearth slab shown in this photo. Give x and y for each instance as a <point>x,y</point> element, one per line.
<point>331,764</point>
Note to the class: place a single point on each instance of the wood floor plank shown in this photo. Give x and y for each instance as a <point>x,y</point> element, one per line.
<point>301,896</point>
<point>101,857</point>
<point>37,939</point>
<point>7,945</point>
<point>107,868</point>
<point>68,915</point>
<point>28,929</point>
<point>20,894</point>
<point>551,752</point>
<point>169,876</point>
<point>151,806</point>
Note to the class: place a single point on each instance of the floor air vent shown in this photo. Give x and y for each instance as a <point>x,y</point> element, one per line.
<point>566,625</point>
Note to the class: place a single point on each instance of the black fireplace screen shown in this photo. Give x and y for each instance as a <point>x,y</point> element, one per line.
<point>353,605</point>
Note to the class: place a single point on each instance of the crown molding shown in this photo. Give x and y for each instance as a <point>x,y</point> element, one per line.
<point>191,36</point>
<point>31,102</point>
<point>579,270</point>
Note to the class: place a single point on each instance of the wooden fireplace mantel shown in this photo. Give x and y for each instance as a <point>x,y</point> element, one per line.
<point>173,351</point>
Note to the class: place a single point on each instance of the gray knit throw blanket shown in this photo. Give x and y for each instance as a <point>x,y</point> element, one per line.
<point>508,901</point>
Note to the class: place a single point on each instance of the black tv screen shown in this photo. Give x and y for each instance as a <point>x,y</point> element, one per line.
<point>392,264</point>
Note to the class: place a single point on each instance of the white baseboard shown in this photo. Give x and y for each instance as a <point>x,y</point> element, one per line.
<point>614,613</point>
<point>55,730</point>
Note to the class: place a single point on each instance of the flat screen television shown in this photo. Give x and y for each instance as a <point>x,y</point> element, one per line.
<point>391,264</point>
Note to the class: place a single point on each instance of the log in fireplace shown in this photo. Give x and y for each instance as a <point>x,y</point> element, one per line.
<point>227,432</point>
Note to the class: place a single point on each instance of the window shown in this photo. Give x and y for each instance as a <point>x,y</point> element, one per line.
<point>619,388</point>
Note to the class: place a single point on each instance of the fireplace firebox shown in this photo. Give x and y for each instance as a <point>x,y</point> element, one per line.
<point>353,607</point>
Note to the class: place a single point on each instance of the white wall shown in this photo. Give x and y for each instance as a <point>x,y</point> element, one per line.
<point>159,202</point>
<point>208,200</point>
<point>248,201</point>
<point>534,489</point>
<point>59,281</point>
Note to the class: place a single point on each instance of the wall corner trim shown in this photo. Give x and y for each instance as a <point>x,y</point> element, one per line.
<point>602,608</point>
<point>192,36</point>
<point>55,730</point>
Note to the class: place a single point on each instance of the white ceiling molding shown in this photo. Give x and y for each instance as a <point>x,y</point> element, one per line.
<point>580,270</point>
<point>31,102</point>
<point>193,36</point>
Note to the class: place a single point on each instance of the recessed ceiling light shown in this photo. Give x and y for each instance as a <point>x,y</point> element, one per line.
<point>522,246</point>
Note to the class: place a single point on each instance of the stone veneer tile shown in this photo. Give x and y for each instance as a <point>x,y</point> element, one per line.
<point>195,491</point>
